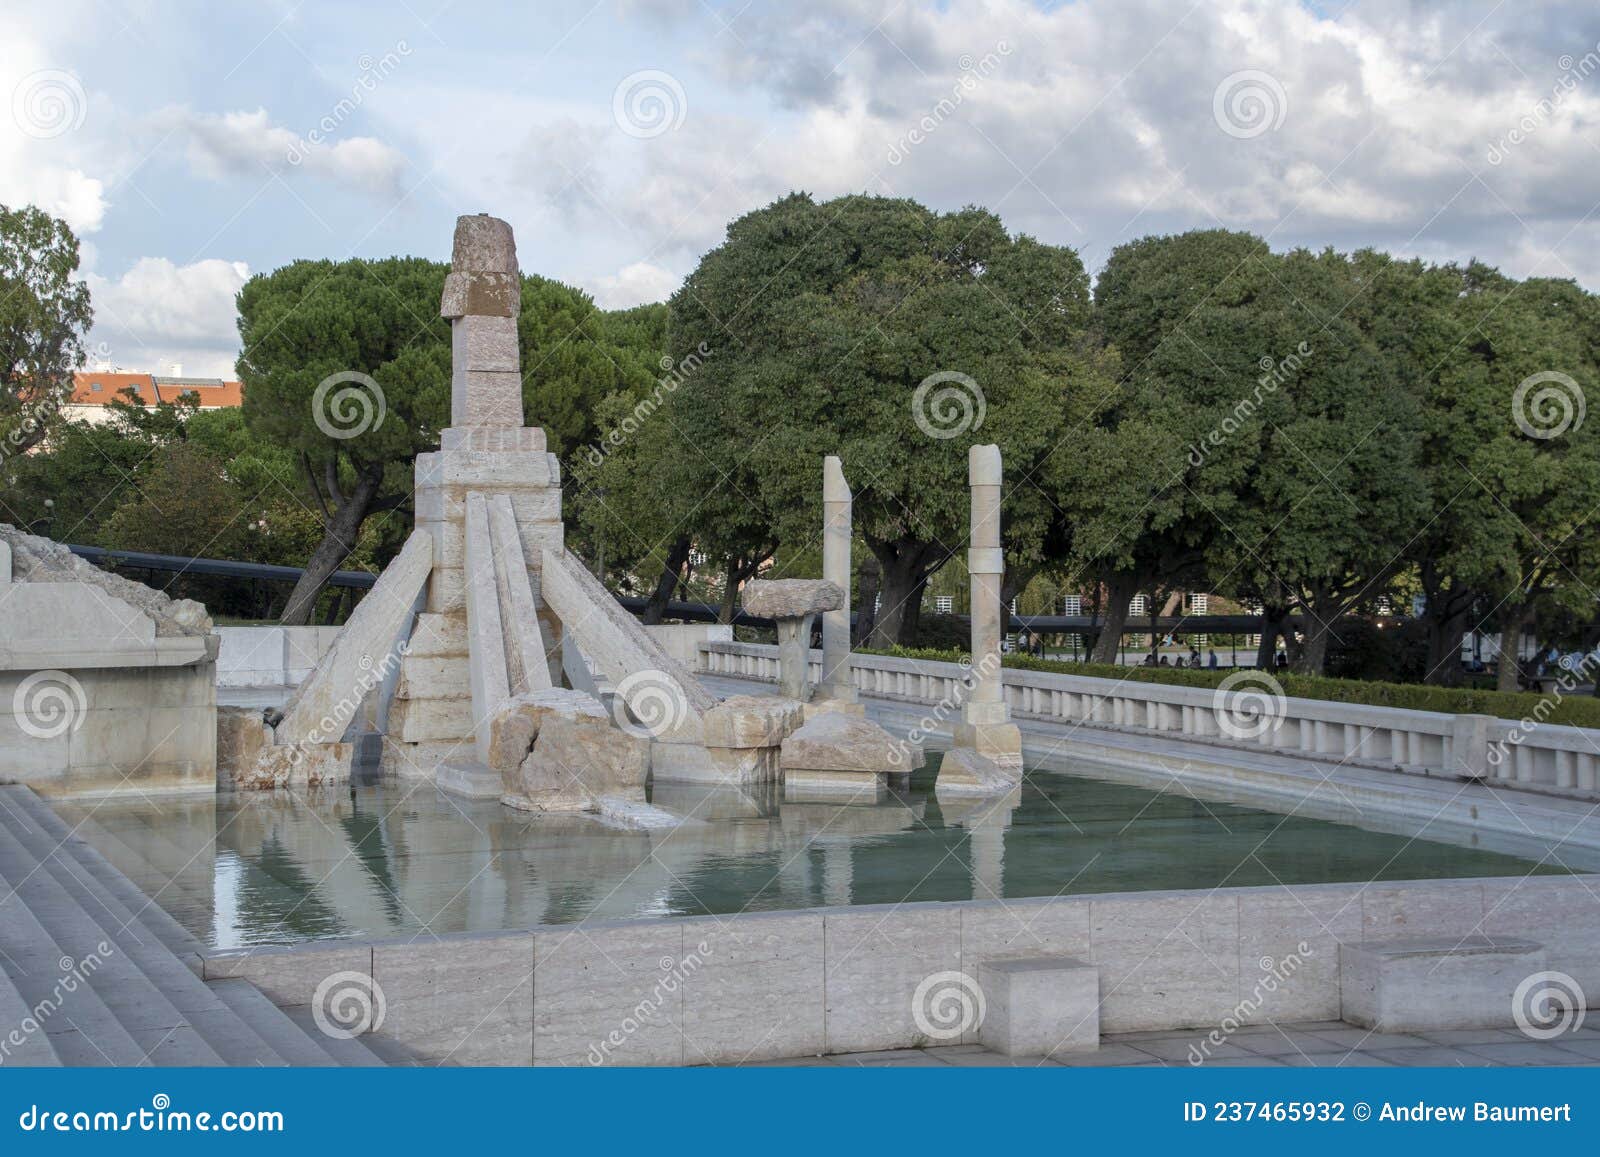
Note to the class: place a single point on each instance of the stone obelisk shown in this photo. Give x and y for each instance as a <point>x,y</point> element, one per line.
<point>837,688</point>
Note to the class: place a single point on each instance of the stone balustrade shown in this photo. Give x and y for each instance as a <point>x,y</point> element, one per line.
<point>1547,758</point>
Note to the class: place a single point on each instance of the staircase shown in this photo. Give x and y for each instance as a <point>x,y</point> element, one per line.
<point>430,720</point>
<point>101,970</point>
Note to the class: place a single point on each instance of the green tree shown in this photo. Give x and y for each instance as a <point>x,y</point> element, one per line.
<point>44,313</point>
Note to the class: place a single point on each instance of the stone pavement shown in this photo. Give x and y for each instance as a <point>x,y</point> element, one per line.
<point>1311,1044</point>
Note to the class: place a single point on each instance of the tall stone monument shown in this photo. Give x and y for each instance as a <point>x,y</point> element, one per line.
<point>837,688</point>
<point>986,752</point>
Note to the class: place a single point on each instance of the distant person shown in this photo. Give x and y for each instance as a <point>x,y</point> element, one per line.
<point>1165,662</point>
<point>1149,661</point>
<point>1211,660</point>
<point>1280,659</point>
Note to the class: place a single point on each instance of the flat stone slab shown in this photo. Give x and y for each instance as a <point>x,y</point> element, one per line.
<point>1423,985</point>
<point>1039,1006</point>
<point>791,598</point>
<point>469,780</point>
<point>838,742</point>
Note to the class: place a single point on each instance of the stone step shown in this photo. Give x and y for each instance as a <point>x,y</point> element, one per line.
<point>430,677</point>
<point>271,1024</point>
<point>351,1052</point>
<point>417,720</point>
<point>157,999</point>
<point>31,1047</point>
<point>439,635</point>
<point>81,1028</point>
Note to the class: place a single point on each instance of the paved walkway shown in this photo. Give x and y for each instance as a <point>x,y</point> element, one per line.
<point>1313,1044</point>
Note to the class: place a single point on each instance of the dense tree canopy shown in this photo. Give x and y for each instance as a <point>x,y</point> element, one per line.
<point>44,313</point>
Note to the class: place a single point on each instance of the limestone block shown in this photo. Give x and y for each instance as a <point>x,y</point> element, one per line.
<point>483,294</point>
<point>417,720</point>
<point>486,470</point>
<point>485,343</point>
<point>834,787</point>
<point>528,651</point>
<point>241,736</point>
<point>577,757</point>
<point>1040,1006</point>
<point>483,242</point>
<point>488,674</point>
<point>298,765</point>
<point>437,636</point>
<point>467,1000</point>
<point>1000,742</point>
<point>365,650</point>
<point>790,598</point>
<point>469,779</point>
<point>963,772</point>
<point>500,439</point>
<point>1429,985</point>
<point>874,960</point>
<point>433,678</point>
<point>1166,959</point>
<point>758,991</point>
<point>609,995</point>
<point>690,762</point>
<point>485,398</point>
<point>752,721</point>
<point>403,760</point>
<point>447,591</point>
<point>839,741</point>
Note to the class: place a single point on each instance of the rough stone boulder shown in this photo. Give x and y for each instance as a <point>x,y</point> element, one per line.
<point>752,721</point>
<point>965,772</point>
<point>576,755</point>
<point>839,742</point>
<point>791,598</point>
<point>41,560</point>
<point>249,760</point>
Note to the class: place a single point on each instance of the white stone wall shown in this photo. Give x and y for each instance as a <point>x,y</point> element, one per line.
<point>270,656</point>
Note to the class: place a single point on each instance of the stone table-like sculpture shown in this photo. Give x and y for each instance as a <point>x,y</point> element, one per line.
<point>792,604</point>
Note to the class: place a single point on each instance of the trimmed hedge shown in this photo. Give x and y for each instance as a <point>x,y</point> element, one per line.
<point>1561,706</point>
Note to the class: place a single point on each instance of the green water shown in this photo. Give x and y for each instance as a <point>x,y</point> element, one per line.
<point>392,860</point>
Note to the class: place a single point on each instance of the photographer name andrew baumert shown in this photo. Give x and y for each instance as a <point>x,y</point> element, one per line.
<point>1477,1111</point>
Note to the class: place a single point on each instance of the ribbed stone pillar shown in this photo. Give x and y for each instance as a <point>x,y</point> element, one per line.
<point>836,683</point>
<point>985,721</point>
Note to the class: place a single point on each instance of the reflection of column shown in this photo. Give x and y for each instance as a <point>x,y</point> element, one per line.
<point>985,721</point>
<point>986,846</point>
<point>836,682</point>
<point>837,872</point>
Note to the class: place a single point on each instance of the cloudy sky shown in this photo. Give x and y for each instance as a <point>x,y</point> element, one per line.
<point>192,144</point>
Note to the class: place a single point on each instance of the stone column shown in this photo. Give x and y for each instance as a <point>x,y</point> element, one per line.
<point>836,682</point>
<point>985,721</point>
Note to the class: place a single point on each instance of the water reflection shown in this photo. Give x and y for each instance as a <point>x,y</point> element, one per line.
<point>392,859</point>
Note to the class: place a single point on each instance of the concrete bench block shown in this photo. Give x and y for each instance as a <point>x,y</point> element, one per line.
<point>1422,985</point>
<point>1040,1006</point>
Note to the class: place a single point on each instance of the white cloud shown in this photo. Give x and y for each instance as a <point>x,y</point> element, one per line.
<point>45,157</point>
<point>159,313</point>
<point>633,285</point>
<point>248,143</point>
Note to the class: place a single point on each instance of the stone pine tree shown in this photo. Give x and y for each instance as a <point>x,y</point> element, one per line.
<point>44,314</point>
<point>895,337</point>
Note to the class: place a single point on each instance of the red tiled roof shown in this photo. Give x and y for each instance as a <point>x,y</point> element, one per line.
<point>100,389</point>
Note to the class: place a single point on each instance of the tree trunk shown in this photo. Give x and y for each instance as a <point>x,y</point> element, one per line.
<point>1517,620</point>
<point>869,583</point>
<point>1119,591</point>
<point>338,540</point>
<point>905,569</point>
<point>1445,632</point>
<point>678,554</point>
<point>1313,656</point>
<point>730,593</point>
